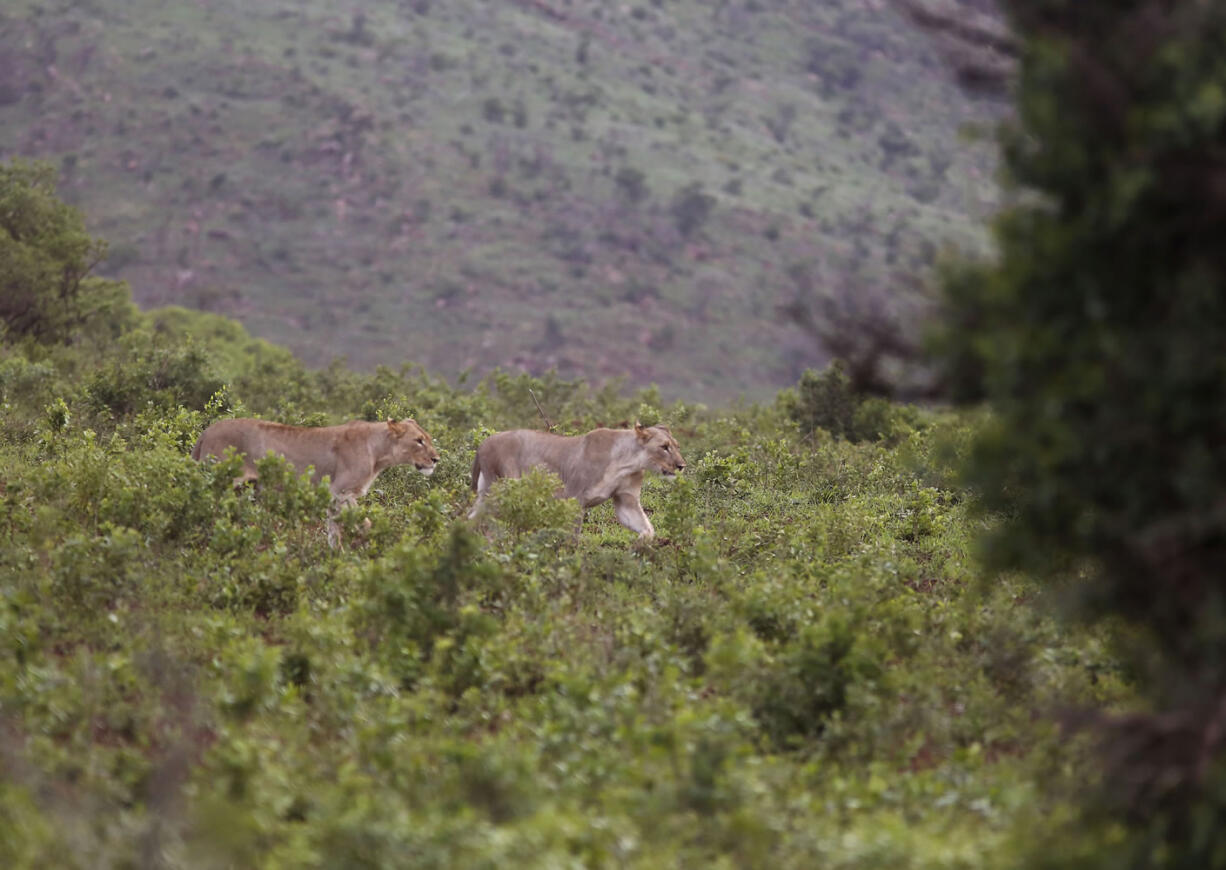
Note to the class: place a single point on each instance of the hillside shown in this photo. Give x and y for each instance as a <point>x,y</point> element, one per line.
<point>605,189</point>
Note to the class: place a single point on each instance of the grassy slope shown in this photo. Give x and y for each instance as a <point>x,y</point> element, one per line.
<point>436,181</point>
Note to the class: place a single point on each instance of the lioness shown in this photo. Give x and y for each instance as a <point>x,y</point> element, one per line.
<point>351,454</point>
<point>601,465</point>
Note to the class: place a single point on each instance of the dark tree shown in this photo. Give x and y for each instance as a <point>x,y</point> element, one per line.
<point>1098,337</point>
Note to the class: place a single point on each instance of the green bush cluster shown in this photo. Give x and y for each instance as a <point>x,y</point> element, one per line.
<point>193,664</point>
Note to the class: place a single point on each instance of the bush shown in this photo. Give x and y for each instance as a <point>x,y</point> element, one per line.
<point>162,378</point>
<point>691,207</point>
<point>411,601</point>
<point>529,506</point>
<point>810,678</point>
<point>631,185</point>
<point>45,289</point>
<point>827,401</point>
<point>25,382</point>
<point>93,573</point>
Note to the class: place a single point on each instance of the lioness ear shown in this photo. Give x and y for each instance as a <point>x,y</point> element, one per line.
<point>397,429</point>
<point>641,431</point>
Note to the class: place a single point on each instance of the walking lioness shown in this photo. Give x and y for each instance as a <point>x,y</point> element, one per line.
<point>351,455</point>
<point>601,465</point>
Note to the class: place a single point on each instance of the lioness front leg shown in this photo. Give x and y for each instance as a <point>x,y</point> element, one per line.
<point>630,514</point>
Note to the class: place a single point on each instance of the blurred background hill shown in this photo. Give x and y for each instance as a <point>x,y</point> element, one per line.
<point>607,189</point>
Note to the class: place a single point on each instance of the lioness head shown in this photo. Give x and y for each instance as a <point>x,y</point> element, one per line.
<point>411,443</point>
<point>663,453</point>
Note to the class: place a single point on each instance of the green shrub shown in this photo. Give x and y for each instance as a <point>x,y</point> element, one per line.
<point>266,582</point>
<point>158,490</point>
<point>827,401</point>
<point>163,378</point>
<point>25,383</point>
<point>287,496</point>
<point>410,600</point>
<point>529,506</point>
<point>94,573</point>
<point>811,677</point>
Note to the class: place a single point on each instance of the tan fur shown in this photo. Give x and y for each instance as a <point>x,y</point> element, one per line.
<point>601,465</point>
<point>351,455</point>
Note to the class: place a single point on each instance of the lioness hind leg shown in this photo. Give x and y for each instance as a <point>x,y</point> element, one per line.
<point>339,503</point>
<point>483,485</point>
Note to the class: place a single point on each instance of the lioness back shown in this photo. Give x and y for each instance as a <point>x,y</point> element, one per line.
<point>255,439</point>
<point>351,453</point>
<point>514,452</point>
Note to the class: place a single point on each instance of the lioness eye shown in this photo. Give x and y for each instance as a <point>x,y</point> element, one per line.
<point>421,441</point>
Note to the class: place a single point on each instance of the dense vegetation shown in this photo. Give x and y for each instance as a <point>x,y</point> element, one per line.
<point>527,184</point>
<point>802,671</point>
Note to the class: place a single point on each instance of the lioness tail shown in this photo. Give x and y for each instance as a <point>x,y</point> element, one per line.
<point>196,449</point>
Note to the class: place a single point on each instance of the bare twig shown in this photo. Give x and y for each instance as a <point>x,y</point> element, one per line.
<point>873,327</point>
<point>974,39</point>
<point>548,424</point>
<point>965,22</point>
